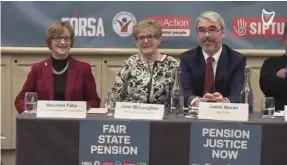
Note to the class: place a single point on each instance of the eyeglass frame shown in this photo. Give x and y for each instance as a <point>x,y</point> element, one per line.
<point>209,31</point>
<point>152,37</point>
<point>59,39</point>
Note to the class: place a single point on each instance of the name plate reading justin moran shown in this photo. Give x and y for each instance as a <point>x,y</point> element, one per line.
<point>223,111</point>
<point>125,110</point>
<point>62,109</point>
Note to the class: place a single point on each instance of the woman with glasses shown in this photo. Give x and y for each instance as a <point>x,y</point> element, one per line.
<point>60,77</point>
<point>146,77</point>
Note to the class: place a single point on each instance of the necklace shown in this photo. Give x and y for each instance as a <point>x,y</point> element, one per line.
<point>152,61</point>
<point>62,71</point>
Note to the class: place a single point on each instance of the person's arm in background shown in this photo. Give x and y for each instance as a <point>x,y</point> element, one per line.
<point>29,86</point>
<point>271,84</point>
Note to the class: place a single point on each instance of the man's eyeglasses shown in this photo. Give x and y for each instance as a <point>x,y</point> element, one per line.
<point>59,38</point>
<point>148,37</point>
<point>211,30</point>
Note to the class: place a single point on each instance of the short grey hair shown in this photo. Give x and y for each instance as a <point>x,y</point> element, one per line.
<point>212,16</point>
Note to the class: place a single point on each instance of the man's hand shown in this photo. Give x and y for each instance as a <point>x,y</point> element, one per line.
<point>205,98</point>
<point>219,98</point>
<point>281,73</point>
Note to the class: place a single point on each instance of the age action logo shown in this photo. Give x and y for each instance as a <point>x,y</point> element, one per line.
<point>173,26</point>
<point>266,26</point>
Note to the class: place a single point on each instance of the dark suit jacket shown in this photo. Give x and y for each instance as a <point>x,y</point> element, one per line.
<point>80,83</point>
<point>229,78</point>
<point>270,84</point>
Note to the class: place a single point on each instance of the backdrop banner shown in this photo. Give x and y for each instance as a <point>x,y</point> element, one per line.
<point>249,25</point>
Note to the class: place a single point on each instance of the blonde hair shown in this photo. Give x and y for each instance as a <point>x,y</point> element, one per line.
<point>212,16</point>
<point>147,24</point>
<point>57,29</point>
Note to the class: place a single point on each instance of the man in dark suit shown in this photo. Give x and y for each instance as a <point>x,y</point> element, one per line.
<point>273,77</point>
<point>212,71</point>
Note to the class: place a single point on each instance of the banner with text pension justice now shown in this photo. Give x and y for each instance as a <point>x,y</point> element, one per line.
<point>225,144</point>
<point>249,25</point>
<point>114,142</point>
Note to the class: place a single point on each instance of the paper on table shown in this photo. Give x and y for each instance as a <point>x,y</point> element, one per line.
<point>195,108</point>
<point>278,114</point>
<point>98,110</point>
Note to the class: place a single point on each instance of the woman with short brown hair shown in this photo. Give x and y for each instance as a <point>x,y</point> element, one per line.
<point>60,77</point>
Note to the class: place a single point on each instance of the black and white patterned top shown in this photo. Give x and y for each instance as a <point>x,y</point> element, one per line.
<point>139,81</point>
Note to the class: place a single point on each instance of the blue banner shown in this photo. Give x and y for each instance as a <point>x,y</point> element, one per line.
<point>249,25</point>
<point>225,144</point>
<point>114,142</point>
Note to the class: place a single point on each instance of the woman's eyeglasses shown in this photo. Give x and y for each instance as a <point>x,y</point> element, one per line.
<point>148,37</point>
<point>59,38</point>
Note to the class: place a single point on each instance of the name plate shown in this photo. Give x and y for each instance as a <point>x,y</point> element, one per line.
<point>62,109</point>
<point>223,111</point>
<point>125,110</point>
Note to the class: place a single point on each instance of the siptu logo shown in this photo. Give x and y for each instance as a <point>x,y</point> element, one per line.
<point>123,23</point>
<point>267,17</point>
<point>264,26</point>
<point>240,29</point>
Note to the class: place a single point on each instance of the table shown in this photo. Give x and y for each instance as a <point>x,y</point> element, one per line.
<point>55,141</point>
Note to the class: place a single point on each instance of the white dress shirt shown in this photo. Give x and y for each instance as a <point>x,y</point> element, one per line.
<point>214,65</point>
<point>216,58</point>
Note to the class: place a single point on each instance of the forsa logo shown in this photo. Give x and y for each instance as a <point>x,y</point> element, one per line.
<point>88,27</point>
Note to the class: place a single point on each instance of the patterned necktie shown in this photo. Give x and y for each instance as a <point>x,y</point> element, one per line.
<point>209,76</point>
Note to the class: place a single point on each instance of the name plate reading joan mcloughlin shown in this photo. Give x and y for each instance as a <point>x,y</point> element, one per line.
<point>125,110</point>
